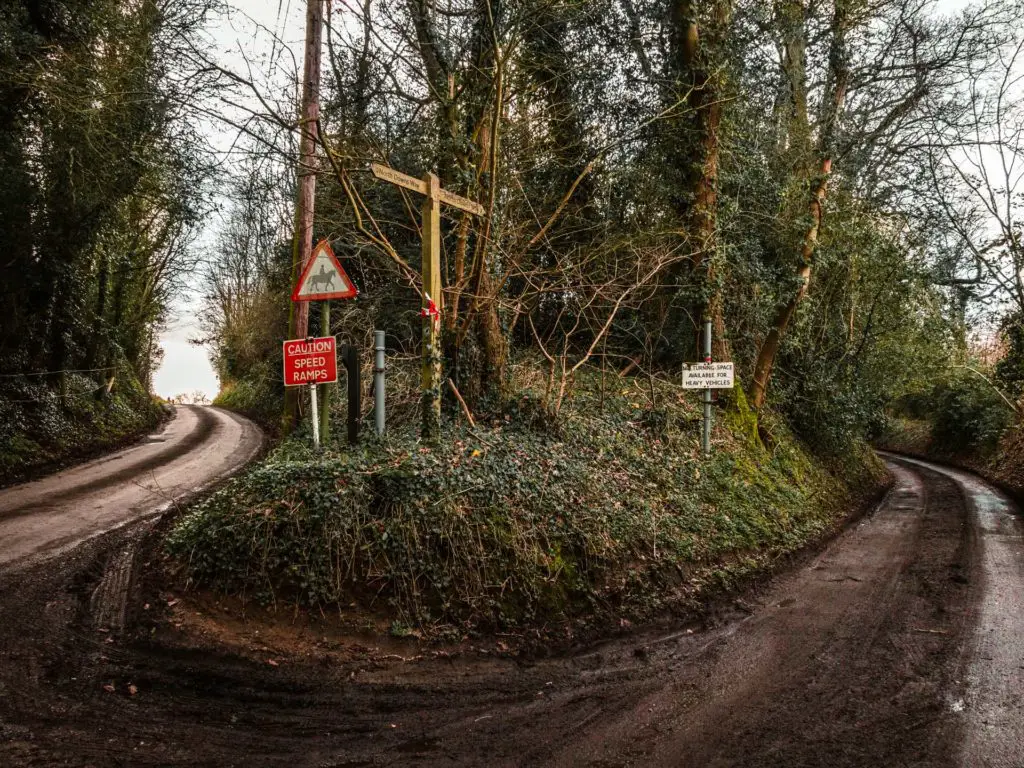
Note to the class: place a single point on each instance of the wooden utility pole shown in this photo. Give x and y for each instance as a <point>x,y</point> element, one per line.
<point>430,384</point>
<point>302,241</point>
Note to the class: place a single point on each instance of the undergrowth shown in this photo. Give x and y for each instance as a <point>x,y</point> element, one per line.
<point>40,429</point>
<point>258,395</point>
<point>519,521</point>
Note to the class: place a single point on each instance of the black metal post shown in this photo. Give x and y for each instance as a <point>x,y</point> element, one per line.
<point>350,358</point>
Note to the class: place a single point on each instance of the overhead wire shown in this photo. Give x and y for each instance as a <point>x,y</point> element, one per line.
<point>52,373</point>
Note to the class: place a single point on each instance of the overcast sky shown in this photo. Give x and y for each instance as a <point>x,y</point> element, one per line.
<point>186,367</point>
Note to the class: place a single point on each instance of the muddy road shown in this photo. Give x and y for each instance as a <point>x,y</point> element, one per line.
<point>902,643</point>
<point>199,446</point>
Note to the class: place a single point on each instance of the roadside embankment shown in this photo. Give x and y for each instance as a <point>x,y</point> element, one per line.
<point>1002,464</point>
<point>42,429</point>
<point>605,512</point>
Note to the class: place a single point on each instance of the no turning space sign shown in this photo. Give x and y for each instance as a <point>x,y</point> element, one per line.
<point>310,361</point>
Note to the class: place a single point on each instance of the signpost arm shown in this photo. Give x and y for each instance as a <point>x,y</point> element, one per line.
<point>431,372</point>
<point>325,389</point>
<point>706,441</point>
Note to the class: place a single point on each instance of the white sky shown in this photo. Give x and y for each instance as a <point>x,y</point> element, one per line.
<point>186,367</point>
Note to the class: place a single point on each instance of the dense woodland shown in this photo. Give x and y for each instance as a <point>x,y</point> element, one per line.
<point>834,184</point>
<point>100,189</point>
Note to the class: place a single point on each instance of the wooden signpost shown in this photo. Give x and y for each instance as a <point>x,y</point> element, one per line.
<point>430,187</point>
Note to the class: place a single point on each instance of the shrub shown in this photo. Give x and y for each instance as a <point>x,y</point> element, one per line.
<point>40,429</point>
<point>968,415</point>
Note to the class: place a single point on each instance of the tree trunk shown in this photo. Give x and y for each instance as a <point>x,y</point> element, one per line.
<point>302,244</point>
<point>97,339</point>
<point>707,103</point>
<point>697,63</point>
<point>839,74</point>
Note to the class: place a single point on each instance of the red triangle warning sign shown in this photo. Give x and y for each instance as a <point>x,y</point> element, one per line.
<point>323,278</point>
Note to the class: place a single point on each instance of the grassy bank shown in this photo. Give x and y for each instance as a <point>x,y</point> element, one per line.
<point>257,396</point>
<point>608,510</point>
<point>40,430</point>
<point>1001,462</point>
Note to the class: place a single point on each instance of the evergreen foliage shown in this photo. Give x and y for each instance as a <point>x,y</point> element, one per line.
<point>644,166</point>
<point>514,523</point>
<point>100,189</point>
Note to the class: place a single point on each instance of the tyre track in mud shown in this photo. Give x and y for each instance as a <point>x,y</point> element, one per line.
<point>862,656</point>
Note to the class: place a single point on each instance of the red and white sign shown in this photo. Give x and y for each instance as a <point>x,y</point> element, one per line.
<point>310,361</point>
<point>323,278</point>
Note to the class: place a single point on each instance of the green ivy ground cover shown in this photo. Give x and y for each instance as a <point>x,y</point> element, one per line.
<point>508,524</point>
<point>40,430</point>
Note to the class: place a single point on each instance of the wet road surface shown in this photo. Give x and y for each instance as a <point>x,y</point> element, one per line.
<point>993,661</point>
<point>899,644</point>
<point>199,446</point>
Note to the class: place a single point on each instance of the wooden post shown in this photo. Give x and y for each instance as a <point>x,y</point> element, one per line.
<point>430,187</point>
<point>302,242</point>
<point>306,203</point>
<point>350,356</point>
<point>431,373</point>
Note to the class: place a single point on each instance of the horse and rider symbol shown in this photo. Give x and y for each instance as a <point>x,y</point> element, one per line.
<point>323,278</point>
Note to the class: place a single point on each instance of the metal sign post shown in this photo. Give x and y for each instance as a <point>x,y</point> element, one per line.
<point>706,442</point>
<point>378,381</point>
<point>316,421</point>
<point>707,376</point>
<point>322,279</point>
<point>432,299</point>
<point>309,362</point>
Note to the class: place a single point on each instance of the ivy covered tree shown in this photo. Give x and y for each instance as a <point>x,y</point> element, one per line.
<point>100,182</point>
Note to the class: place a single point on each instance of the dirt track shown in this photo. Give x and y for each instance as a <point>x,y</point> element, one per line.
<point>199,446</point>
<point>892,647</point>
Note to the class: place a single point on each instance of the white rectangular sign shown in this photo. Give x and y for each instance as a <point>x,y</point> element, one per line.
<point>708,376</point>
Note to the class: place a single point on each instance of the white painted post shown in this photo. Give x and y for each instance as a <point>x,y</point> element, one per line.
<point>315,420</point>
